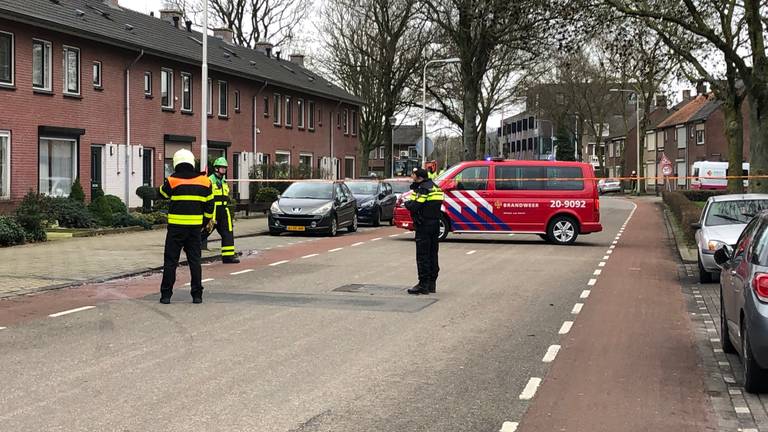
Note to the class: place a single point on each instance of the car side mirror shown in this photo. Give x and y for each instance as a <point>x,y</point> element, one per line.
<point>723,256</point>
<point>696,225</point>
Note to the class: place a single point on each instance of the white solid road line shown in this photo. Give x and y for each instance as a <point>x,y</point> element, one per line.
<point>358,244</point>
<point>549,357</point>
<point>471,252</point>
<point>577,308</point>
<point>508,427</point>
<point>67,312</point>
<point>336,250</point>
<point>585,294</point>
<point>309,256</point>
<point>376,239</point>
<point>241,272</point>
<point>592,282</point>
<point>597,272</point>
<point>601,264</point>
<point>530,389</point>
<point>394,235</point>
<point>278,263</point>
<point>566,327</point>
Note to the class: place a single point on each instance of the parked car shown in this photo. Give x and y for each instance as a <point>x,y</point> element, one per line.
<point>722,220</point>
<point>553,199</point>
<point>607,185</point>
<point>314,207</point>
<point>400,185</point>
<point>375,201</point>
<point>744,301</point>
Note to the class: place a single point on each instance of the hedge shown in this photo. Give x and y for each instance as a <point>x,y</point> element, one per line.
<point>701,195</point>
<point>684,210</point>
<point>11,233</point>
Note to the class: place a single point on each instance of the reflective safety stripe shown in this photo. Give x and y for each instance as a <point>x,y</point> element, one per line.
<point>229,219</point>
<point>191,198</point>
<point>176,219</point>
<point>434,195</point>
<point>227,248</point>
<point>162,192</point>
<point>208,215</point>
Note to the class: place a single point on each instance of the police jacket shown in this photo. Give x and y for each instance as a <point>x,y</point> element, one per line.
<point>191,198</point>
<point>426,201</point>
<point>220,192</point>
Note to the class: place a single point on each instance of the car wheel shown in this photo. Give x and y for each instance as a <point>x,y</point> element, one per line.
<point>445,228</point>
<point>725,338</point>
<point>562,230</point>
<point>704,275</point>
<point>334,229</point>
<point>377,219</point>
<point>352,228</point>
<point>274,232</point>
<point>755,377</point>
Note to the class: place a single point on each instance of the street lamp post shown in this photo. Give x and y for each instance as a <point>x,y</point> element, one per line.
<point>204,94</point>
<point>424,106</point>
<point>392,121</point>
<point>637,127</point>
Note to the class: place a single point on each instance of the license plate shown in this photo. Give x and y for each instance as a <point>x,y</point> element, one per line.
<point>296,228</point>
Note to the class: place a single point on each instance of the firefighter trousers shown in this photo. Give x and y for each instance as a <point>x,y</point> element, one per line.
<point>188,239</point>
<point>225,229</point>
<point>427,247</point>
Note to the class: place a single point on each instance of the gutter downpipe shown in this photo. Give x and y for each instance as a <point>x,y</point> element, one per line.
<point>255,116</point>
<point>128,123</point>
<point>333,167</point>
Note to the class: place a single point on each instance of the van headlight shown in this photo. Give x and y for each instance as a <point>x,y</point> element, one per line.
<point>325,208</point>
<point>275,208</point>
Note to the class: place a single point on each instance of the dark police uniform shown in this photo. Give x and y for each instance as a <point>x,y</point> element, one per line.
<point>191,202</point>
<point>425,207</point>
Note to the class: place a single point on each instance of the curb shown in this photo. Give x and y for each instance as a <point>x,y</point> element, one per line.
<point>683,250</point>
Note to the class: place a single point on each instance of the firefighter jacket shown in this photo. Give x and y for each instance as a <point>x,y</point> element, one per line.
<point>220,192</point>
<point>191,198</point>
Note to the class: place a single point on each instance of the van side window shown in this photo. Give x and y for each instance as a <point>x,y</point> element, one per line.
<point>533,178</point>
<point>472,178</point>
<point>564,178</point>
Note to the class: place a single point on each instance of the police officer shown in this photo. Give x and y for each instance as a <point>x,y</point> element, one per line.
<point>425,207</point>
<point>191,207</point>
<point>222,217</point>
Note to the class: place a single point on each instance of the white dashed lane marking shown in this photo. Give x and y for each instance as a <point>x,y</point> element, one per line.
<point>357,244</point>
<point>592,282</point>
<point>202,281</point>
<point>394,235</point>
<point>278,263</point>
<point>241,272</point>
<point>3,328</point>
<point>597,272</point>
<point>309,256</point>
<point>471,252</point>
<point>549,357</point>
<point>335,250</point>
<point>530,389</point>
<point>71,311</point>
<point>577,308</point>
<point>376,239</point>
<point>508,427</point>
<point>607,257</point>
<point>585,294</point>
<point>601,264</point>
<point>566,327</point>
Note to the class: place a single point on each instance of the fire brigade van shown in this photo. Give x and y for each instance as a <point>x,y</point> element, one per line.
<point>556,200</point>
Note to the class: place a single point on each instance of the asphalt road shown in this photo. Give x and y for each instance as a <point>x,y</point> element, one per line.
<point>312,334</point>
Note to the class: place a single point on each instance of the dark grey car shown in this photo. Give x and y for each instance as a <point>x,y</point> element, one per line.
<point>744,301</point>
<point>314,207</point>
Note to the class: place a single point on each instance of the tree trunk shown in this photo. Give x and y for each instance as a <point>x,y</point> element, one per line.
<point>387,142</point>
<point>758,143</point>
<point>734,134</point>
<point>471,95</point>
<point>364,158</point>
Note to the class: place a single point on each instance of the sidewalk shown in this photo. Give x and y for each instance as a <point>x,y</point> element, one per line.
<point>630,362</point>
<point>41,266</point>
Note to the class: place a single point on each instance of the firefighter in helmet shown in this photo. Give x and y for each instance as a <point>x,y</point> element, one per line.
<point>222,216</point>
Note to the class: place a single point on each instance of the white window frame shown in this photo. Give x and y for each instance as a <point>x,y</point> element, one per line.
<point>677,137</point>
<point>311,157</point>
<point>311,118</point>
<point>186,76</point>
<point>7,180</point>
<point>703,135</point>
<point>354,162</point>
<point>236,95</point>
<point>288,111</point>
<point>147,91</point>
<point>75,158</point>
<point>65,71</point>
<point>224,91</point>
<point>209,108</point>
<point>660,141</point>
<point>277,103</point>
<point>13,61</point>
<point>47,66</point>
<point>681,176</point>
<point>300,110</point>
<point>169,87</point>
<point>345,121</point>
<point>650,141</point>
<point>354,123</point>
<point>285,153</point>
<point>101,74</point>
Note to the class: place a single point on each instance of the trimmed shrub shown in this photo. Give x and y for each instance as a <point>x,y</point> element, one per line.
<point>116,204</point>
<point>77,193</point>
<point>101,210</point>
<point>70,213</point>
<point>97,193</point>
<point>266,194</point>
<point>11,233</point>
<point>153,218</point>
<point>684,210</point>
<point>31,215</point>
<point>120,220</point>
<point>701,195</point>
<point>147,195</point>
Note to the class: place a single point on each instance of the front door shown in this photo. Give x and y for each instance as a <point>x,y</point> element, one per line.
<point>235,175</point>
<point>146,165</point>
<point>97,168</point>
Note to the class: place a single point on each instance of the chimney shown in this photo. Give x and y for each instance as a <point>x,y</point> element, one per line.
<point>189,25</point>
<point>686,95</point>
<point>661,101</point>
<point>114,4</point>
<point>172,16</point>
<point>265,48</point>
<point>298,59</point>
<point>225,34</point>
<point>701,88</point>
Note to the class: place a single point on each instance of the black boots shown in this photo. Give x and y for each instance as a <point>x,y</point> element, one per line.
<point>432,287</point>
<point>165,297</point>
<point>419,288</point>
<point>230,260</point>
<point>197,299</point>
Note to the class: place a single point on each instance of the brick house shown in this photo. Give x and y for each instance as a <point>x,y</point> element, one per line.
<point>406,140</point>
<point>92,90</point>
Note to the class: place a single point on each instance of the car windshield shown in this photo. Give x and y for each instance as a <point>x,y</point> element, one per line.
<point>363,188</point>
<point>448,172</point>
<point>309,190</point>
<point>400,186</point>
<point>734,212</point>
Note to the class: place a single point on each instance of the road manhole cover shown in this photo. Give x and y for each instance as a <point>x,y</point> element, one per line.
<point>371,289</point>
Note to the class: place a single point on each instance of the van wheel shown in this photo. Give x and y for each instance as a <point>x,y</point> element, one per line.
<point>755,377</point>
<point>562,230</point>
<point>445,228</point>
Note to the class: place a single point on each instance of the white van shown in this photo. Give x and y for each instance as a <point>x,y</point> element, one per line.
<point>705,175</point>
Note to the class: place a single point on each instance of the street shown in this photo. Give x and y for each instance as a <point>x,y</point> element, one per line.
<point>320,336</point>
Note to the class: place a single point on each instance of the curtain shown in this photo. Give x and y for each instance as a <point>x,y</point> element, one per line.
<point>57,166</point>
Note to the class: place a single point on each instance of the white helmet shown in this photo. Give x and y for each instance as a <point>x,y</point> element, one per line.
<point>183,156</point>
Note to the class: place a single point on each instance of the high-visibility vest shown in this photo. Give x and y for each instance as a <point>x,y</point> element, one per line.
<point>191,199</point>
<point>220,192</point>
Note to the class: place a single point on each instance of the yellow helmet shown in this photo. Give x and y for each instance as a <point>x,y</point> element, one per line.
<point>183,156</point>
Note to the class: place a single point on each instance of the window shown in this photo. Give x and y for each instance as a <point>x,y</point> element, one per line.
<point>354,123</point>
<point>681,138</point>
<point>58,166</point>
<point>345,121</point>
<point>700,134</point>
<point>5,164</point>
<point>300,113</point>
<point>525,124</point>
<point>660,141</point>
<point>266,106</point>
<point>531,123</point>
<point>288,111</point>
<point>209,108</point>
<point>41,65</point>
<point>6,58</point>
<point>97,74</point>
<point>166,88</point>
<point>186,92</point>
<point>349,166</point>
<point>282,164</point>
<point>71,71</point>
<point>472,178</point>
<point>305,165</point>
<point>237,100</point>
<point>311,114</point>
<point>277,104</point>
<point>147,83</point>
<point>514,127</point>
<point>681,171</point>
<point>650,141</point>
<point>514,178</point>
<point>338,120</point>
<point>223,99</point>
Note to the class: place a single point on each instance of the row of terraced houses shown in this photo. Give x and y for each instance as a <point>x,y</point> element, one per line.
<point>93,90</point>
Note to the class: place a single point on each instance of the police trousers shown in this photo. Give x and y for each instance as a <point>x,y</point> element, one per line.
<point>427,247</point>
<point>188,239</point>
<point>225,229</point>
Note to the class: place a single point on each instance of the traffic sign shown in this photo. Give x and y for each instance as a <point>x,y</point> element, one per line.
<point>666,169</point>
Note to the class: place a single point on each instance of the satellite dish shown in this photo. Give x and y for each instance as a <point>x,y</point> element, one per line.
<point>430,147</point>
